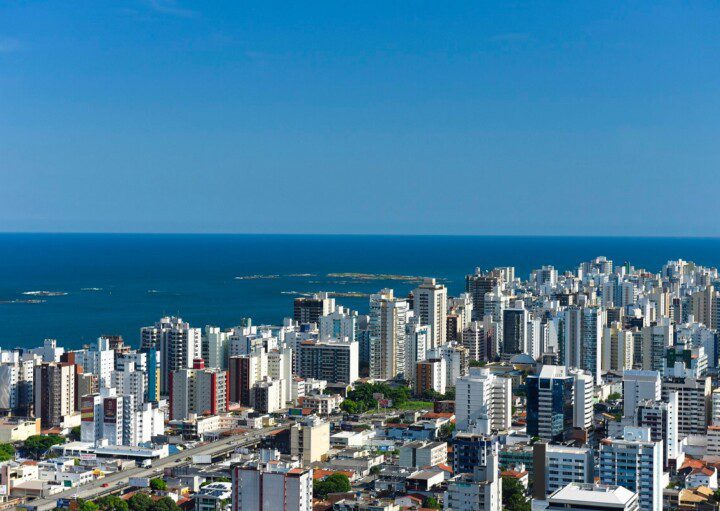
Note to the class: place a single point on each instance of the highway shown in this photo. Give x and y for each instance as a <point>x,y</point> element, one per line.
<point>118,481</point>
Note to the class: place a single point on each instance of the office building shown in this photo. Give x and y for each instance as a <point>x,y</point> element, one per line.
<point>471,450</point>
<point>557,402</point>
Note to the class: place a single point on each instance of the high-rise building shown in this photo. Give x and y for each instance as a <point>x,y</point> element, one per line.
<point>431,375</point>
<point>417,338</point>
<point>197,391</point>
<point>54,386</point>
<point>478,341</point>
<point>556,466</point>
<point>694,403</point>
<point>583,339</point>
<point>338,324</point>
<point>634,462</point>
<point>640,386</point>
<point>179,345</point>
<point>477,286</point>
<point>98,360</point>
<point>471,450</point>
<point>310,440</point>
<point>655,340</point>
<point>268,395</point>
<point>215,347</point>
<point>271,487</point>
<point>244,372</point>
<point>662,420</point>
<point>332,360</point>
<point>618,348</point>
<point>514,323</point>
<point>311,309</point>
<point>557,402</point>
<point>130,380</point>
<point>484,401</point>
<point>480,490</point>
<point>430,307</point>
<point>388,317</point>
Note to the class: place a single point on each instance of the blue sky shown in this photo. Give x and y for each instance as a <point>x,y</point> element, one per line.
<point>559,118</point>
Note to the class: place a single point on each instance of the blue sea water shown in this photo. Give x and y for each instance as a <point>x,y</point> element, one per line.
<point>116,283</point>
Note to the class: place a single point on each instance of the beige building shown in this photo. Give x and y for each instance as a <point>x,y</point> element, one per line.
<point>54,385</point>
<point>310,440</point>
<point>18,430</point>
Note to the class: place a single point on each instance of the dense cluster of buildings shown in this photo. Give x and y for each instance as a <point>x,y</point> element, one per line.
<point>595,388</point>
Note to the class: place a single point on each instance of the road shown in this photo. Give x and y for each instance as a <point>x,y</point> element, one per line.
<point>118,481</point>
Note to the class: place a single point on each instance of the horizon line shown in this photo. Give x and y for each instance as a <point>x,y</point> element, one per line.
<point>369,234</point>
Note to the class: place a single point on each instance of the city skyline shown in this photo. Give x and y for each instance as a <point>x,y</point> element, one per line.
<point>176,116</point>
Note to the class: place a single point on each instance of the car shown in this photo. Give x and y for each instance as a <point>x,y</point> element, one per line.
<point>105,485</point>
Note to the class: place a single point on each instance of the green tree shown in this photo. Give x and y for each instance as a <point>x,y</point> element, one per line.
<point>158,484</point>
<point>140,502</point>
<point>513,495</point>
<point>37,445</point>
<point>614,396</point>
<point>432,503</point>
<point>335,483</point>
<point>86,505</point>
<point>446,431</point>
<point>165,504</point>
<point>111,503</point>
<point>477,363</point>
<point>75,434</point>
<point>7,452</point>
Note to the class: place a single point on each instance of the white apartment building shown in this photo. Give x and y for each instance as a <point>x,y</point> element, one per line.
<point>640,386</point>
<point>483,399</point>
<point>215,347</point>
<point>430,306</point>
<point>694,403</point>
<point>271,487</point>
<point>178,343</point>
<point>634,462</point>
<point>479,491</point>
<point>420,454</point>
<point>339,324</point>
<point>388,317</point>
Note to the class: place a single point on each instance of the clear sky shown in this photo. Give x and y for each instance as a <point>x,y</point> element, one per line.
<point>408,117</point>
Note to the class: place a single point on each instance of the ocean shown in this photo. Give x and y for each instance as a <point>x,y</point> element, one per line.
<point>75,287</point>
